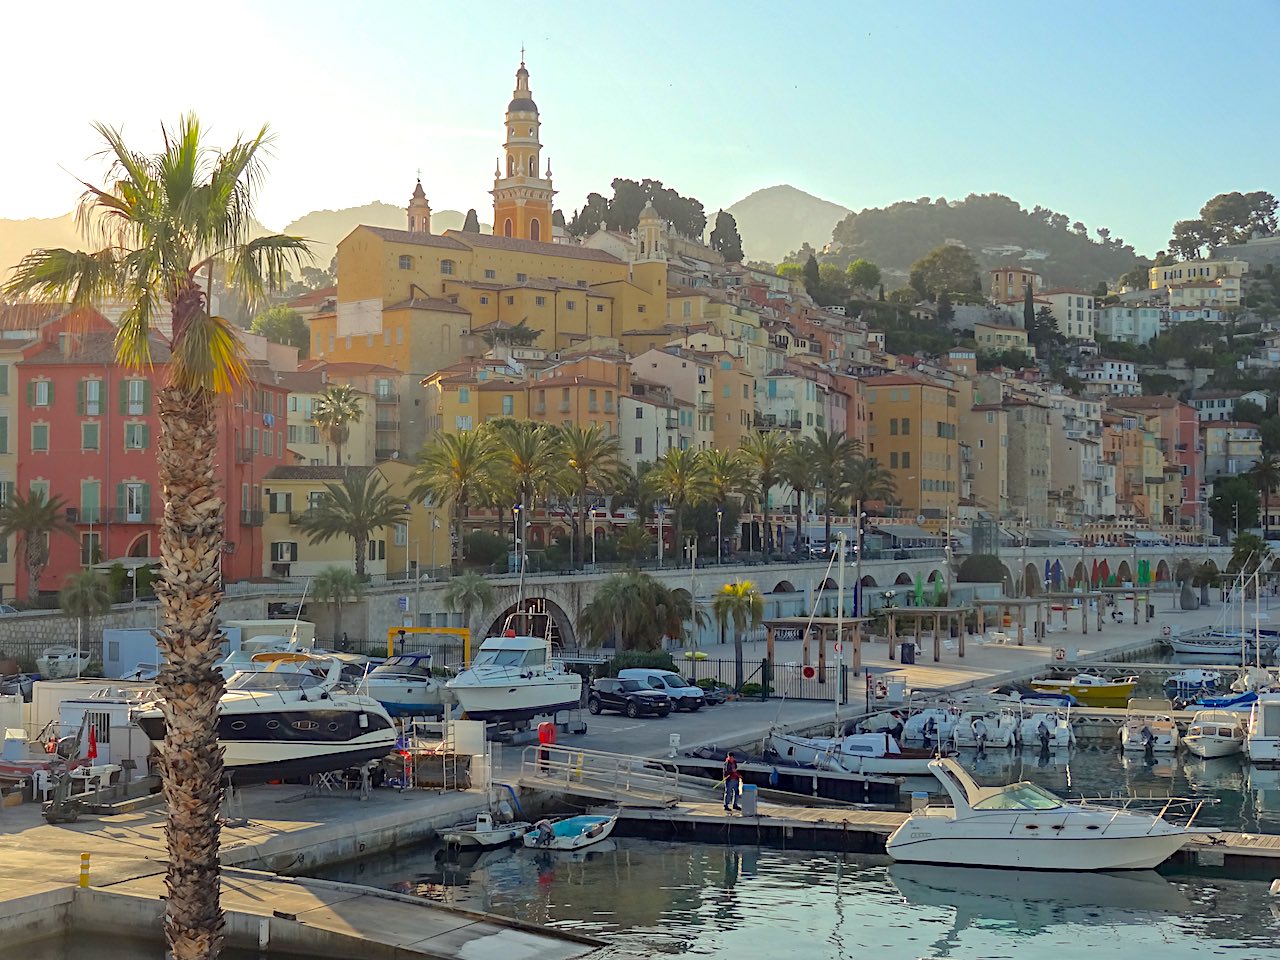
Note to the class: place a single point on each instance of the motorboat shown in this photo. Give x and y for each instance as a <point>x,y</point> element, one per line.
<point>1090,689</point>
<point>1193,682</point>
<point>404,685</point>
<point>1253,680</point>
<point>931,725</point>
<point>282,722</point>
<point>1045,730</point>
<point>17,685</point>
<point>993,726</point>
<point>1025,826</point>
<point>1215,733</point>
<point>485,833</point>
<point>61,662</point>
<point>515,678</point>
<point>1236,702</point>
<point>1262,740</point>
<point>1029,696</point>
<point>571,833</point>
<point>855,753</point>
<point>1218,642</point>
<point>887,721</point>
<point>256,650</point>
<point>1149,727</point>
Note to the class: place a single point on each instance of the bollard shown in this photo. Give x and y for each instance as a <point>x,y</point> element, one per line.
<point>84,871</point>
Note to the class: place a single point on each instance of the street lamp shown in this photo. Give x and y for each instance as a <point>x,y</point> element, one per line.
<point>661,511</point>
<point>719,535</point>
<point>515,522</point>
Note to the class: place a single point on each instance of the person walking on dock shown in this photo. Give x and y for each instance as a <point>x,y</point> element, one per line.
<point>732,782</point>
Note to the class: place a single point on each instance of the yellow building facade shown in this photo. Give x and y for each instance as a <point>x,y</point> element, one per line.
<point>912,431</point>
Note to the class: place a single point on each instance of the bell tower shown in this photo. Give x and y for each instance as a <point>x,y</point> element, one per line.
<point>521,193</point>
<point>419,211</point>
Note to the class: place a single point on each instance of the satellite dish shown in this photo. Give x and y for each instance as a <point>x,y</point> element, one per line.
<point>919,518</point>
<point>395,454</point>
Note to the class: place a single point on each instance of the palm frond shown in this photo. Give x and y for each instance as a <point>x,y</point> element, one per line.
<point>264,263</point>
<point>208,355</point>
<point>59,275</point>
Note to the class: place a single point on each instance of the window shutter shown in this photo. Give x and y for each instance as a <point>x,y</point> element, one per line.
<point>120,495</point>
<point>146,436</point>
<point>288,503</point>
<point>124,397</point>
<point>293,552</point>
<point>146,501</point>
<point>4,379</point>
<point>146,396</point>
<point>31,393</point>
<point>80,398</point>
<point>4,434</point>
<point>51,393</point>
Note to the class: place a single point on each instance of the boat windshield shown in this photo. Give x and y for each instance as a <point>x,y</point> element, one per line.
<point>511,658</point>
<point>258,682</point>
<point>1020,796</point>
<point>401,667</point>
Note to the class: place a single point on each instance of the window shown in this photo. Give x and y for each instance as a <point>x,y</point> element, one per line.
<point>446,267</point>
<point>401,531</point>
<point>406,262</point>
<point>539,301</point>
<point>135,398</point>
<point>906,461</point>
<point>284,552</point>
<point>89,437</point>
<point>639,443</point>
<point>90,548</point>
<point>511,301</point>
<point>582,283</point>
<point>377,549</point>
<point>508,405</point>
<point>4,379</point>
<point>893,461</point>
<point>462,423</point>
<point>906,426</point>
<point>484,301</point>
<point>893,426</point>
<point>490,274</point>
<point>89,400</point>
<point>399,335</point>
<point>571,304</point>
<point>639,309</point>
<point>464,394</point>
<point>40,394</point>
<point>600,308</point>
<point>134,499</point>
<point>686,309</point>
<point>40,437</point>
<point>521,277</point>
<point>137,436</point>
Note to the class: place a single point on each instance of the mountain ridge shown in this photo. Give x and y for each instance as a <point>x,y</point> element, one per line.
<point>778,220</point>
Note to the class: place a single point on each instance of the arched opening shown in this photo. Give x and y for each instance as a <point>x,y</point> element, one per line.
<point>903,579</point>
<point>535,536</point>
<point>1080,575</point>
<point>561,625</point>
<point>446,338</point>
<point>783,586</point>
<point>533,166</point>
<point>1162,571</point>
<point>935,576</point>
<point>869,581</point>
<point>1007,579</point>
<point>506,227</point>
<point>511,166</point>
<point>141,546</point>
<point>535,229</point>
<point>1124,572</point>
<point>1032,581</point>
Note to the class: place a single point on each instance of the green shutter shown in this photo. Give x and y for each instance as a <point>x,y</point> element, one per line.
<point>80,398</point>
<point>31,394</point>
<point>146,501</point>
<point>4,434</point>
<point>146,396</point>
<point>120,500</point>
<point>51,393</point>
<point>4,379</point>
<point>146,436</point>
<point>124,397</point>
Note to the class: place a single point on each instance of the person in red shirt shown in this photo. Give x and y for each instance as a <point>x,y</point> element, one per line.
<point>732,782</point>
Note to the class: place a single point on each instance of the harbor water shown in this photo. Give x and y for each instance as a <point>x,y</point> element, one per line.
<point>648,899</point>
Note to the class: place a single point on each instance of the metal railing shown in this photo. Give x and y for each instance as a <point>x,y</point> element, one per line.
<point>126,515</point>
<point>244,454</point>
<point>250,518</point>
<point>621,775</point>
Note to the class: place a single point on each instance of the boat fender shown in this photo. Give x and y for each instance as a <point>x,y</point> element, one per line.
<point>773,776</point>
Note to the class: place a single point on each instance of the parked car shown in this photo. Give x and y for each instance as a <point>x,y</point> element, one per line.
<point>632,697</point>
<point>6,608</point>
<point>684,694</point>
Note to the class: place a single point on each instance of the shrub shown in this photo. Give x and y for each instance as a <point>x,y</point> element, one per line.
<point>751,690</point>
<point>630,659</point>
<point>981,568</point>
<point>485,549</point>
<point>708,683</point>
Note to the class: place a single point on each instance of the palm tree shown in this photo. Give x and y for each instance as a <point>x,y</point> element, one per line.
<point>158,222</point>
<point>456,468</point>
<point>1246,553</point>
<point>635,543</point>
<point>742,605</point>
<point>530,458</point>
<point>337,407</point>
<point>468,594</point>
<point>832,455</point>
<point>636,611</point>
<point>34,520</point>
<point>728,475</point>
<point>84,595</point>
<point>867,481</point>
<point>357,507</point>
<point>1266,474</point>
<point>764,452</point>
<point>797,472</point>
<point>592,459</point>
<point>338,586</point>
<point>681,477</point>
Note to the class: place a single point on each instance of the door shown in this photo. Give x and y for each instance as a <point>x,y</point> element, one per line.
<point>134,502</point>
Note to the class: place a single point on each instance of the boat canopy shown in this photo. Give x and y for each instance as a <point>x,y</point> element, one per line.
<point>966,794</point>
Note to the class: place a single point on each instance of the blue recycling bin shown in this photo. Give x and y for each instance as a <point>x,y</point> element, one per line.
<point>907,654</point>
<point>750,796</point>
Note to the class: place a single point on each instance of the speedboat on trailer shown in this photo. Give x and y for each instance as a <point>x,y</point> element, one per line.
<point>281,723</point>
<point>515,678</point>
<point>1025,826</point>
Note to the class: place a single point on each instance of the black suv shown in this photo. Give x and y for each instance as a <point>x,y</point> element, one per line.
<point>627,696</point>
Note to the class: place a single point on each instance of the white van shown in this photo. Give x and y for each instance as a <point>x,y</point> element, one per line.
<point>685,695</point>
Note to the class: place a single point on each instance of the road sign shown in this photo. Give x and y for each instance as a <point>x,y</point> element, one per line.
<point>1166,631</point>
<point>808,672</point>
<point>403,604</point>
<point>837,646</point>
<point>1059,653</point>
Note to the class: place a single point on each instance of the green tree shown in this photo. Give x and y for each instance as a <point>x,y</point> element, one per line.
<point>946,267</point>
<point>457,469</point>
<point>84,595</point>
<point>590,216</point>
<point>880,295</point>
<point>831,459</point>
<point>1247,551</point>
<point>33,520</point>
<point>1137,278</point>
<point>766,453</point>
<point>337,407</point>
<point>1234,499</point>
<point>728,476</point>
<point>591,460</point>
<point>1028,308</point>
<point>636,612</point>
<point>1246,411</point>
<point>472,222</point>
<point>1189,239</point>
<point>792,271</point>
<point>358,507</point>
<point>1270,429</point>
<point>863,275</point>
<point>981,568</point>
<point>725,238</point>
<point>635,542</point>
<point>337,586</point>
<point>518,335</point>
<point>946,312</point>
<point>1266,474</point>
<point>797,474</point>
<point>470,594</point>
<point>164,219</point>
<point>741,605</point>
<point>681,478</point>
<point>280,324</point>
<point>812,275</point>
<point>869,482</point>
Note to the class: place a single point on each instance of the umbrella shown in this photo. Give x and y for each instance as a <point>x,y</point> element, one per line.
<point>1093,577</point>
<point>937,592</point>
<point>1056,575</point>
<point>919,591</point>
<point>1048,570</point>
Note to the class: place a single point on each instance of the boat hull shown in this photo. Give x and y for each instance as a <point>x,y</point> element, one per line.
<point>807,751</point>
<point>479,839</point>
<point>1210,747</point>
<point>519,700</point>
<point>573,834</point>
<point>1088,695</point>
<point>1075,854</point>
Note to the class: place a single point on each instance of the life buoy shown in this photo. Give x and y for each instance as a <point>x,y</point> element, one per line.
<point>881,691</point>
<point>808,672</point>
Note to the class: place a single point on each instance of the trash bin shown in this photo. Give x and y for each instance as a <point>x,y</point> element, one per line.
<point>1151,611</point>
<point>907,654</point>
<point>750,796</point>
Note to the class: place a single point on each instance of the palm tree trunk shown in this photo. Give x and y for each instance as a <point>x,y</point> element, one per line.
<point>579,530</point>
<point>362,548</point>
<point>677,543</point>
<point>33,574</point>
<point>189,588</point>
<point>799,517</point>
<point>337,621</point>
<point>827,507</point>
<point>768,530</point>
<point>737,659</point>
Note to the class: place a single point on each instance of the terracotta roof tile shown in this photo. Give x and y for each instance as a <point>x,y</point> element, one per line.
<point>307,472</point>
<point>421,239</point>
<point>567,250</point>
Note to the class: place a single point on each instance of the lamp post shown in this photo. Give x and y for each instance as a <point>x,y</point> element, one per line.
<point>435,525</point>
<point>661,509</point>
<point>692,548</point>
<point>133,578</point>
<point>515,523</point>
<point>417,582</point>
<point>719,535</point>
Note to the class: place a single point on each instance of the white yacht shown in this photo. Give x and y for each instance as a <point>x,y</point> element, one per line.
<point>282,722</point>
<point>1045,729</point>
<point>1149,727</point>
<point>1023,825</point>
<point>516,678</point>
<point>933,724</point>
<point>984,727</point>
<point>1215,733</point>
<point>1262,743</point>
<point>855,753</point>
<point>405,686</point>
<point>61,662</point>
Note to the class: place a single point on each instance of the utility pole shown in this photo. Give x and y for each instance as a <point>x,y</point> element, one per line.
<point>417,583</point>
<point>693,588</point>
<point>840,541</point>
<point>719,535</point>
<point>660,512</point>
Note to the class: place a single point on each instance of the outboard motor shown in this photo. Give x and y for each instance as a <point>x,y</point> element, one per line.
<point>1043,732</point>
<point>1148,744</point>
<point>980,734</point>
<point>930,729</point>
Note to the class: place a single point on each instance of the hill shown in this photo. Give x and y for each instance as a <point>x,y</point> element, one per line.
<point>775,221</point>
<point>994,228</point>
<point>327,227</point>
<point>20,237</point>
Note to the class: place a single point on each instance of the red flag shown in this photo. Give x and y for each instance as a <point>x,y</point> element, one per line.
<point>93,745</point>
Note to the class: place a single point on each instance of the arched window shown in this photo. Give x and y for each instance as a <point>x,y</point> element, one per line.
<point>446,266</point>
<point>406,262</point>
<point>506,228</point>
<point>511,166</point>
<point>535,229</point>
<point>533,166</point>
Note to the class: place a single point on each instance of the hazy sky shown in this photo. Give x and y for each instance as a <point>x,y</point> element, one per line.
<point>1116,114</point>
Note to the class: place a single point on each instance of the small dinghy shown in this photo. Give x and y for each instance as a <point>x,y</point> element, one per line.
<point>485,833</point>
<point>572,833</point>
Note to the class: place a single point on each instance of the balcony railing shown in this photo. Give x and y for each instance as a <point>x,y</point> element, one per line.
<point>250,518</point>
<point>244,454</point>
<point>386,397</point>
<point>706,406</point>
<point>386,453</point>
<point>84,514</point>
<point>297,516</point>
<point>387,424</point>
<point>128,515</point>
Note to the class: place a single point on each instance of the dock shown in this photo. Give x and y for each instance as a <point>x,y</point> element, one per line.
<point>865,831</point>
